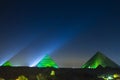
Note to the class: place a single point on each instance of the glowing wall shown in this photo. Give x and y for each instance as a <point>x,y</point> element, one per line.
<point>7,64</point>
<point>47,61</point>
<point>99,60</point>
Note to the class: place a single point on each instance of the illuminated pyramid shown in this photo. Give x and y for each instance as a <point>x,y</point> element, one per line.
<point>47,61</point>
<point>7,64</point>
<point>99,60</point>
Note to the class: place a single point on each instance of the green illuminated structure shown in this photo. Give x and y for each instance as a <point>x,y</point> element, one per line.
<point>99,60</point>
<point>7,64</point>
<point>47,61</point>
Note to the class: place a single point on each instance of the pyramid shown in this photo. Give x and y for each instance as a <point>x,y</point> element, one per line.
<point>47,61</point>
<point>7,63</point>
<point>99,59</point>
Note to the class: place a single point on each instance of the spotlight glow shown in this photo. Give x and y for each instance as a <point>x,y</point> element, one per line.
<point>36,61</point>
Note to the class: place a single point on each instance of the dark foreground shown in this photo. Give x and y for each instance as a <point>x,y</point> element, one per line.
<point>34,73</point>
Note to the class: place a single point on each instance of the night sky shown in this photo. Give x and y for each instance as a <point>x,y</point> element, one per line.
<point>71,32</point>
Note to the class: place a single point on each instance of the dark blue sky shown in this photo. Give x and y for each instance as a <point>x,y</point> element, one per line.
<point>69,31</point>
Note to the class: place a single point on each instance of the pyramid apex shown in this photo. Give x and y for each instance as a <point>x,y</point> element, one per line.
<point>99,52</point>
<point>47,55</point>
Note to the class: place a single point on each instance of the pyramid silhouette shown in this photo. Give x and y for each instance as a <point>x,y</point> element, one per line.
<point>99,59</point>
<point>7,63</point>
<point>47,61</point>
